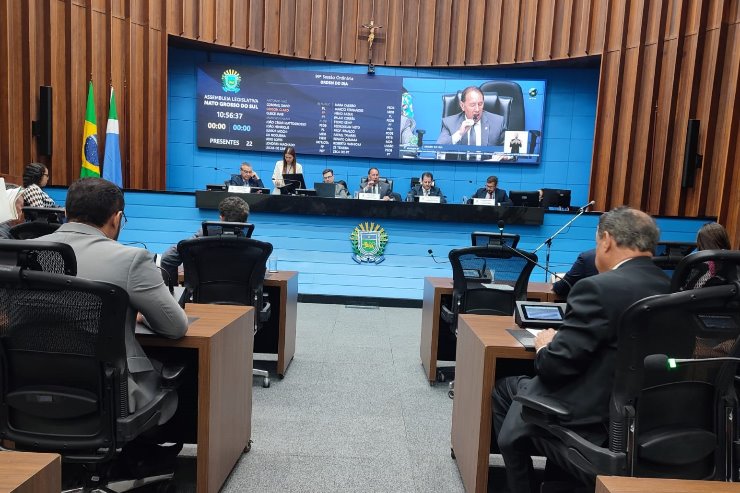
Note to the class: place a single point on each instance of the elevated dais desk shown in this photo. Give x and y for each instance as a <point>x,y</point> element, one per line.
<point>221,338</point>
<point>481,341</point>
<point>435,288</point>
<point>30,472</point>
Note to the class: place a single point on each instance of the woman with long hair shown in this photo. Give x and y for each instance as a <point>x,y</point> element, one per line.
<point>288,165</point>
<point>35,177</point>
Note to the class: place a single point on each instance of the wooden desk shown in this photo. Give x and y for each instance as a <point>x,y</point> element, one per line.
<point>30,472</point>
<point>278,334</point>
<point>435,288</point>
<point>222,340</point>
<point>616,484</point>
<point>481,340</point>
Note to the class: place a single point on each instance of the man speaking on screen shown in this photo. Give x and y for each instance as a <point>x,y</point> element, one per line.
<point>472,126</point>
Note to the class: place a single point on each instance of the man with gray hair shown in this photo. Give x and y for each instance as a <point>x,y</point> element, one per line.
<point>575,365</point>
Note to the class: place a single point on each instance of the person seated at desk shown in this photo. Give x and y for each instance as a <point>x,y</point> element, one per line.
<point>231,209</point>
<point>340,188</point>
<point>95,217</point>
<point>375,185</point>
<point>35,177</point>
<point>426,188</point>
<point>491,191</point>
<point>289,165</point>
<point>583,267</point>
<point>246,178</point>
<point>575,365</point>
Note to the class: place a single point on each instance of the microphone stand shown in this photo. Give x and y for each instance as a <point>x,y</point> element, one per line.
<point>548,242</point>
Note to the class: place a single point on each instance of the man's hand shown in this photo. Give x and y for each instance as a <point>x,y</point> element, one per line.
<point>543,338</point>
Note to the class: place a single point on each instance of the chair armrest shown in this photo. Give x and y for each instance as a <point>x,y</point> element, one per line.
<point>543,405</point>
<point>265,312</point>
<point>447,314</point>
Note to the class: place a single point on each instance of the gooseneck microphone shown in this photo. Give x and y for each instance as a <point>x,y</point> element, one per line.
<point>431,254</point>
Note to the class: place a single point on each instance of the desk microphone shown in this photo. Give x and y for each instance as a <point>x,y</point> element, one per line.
<point>431,254</point>
<point>501,225</point>
<point>586,206</point>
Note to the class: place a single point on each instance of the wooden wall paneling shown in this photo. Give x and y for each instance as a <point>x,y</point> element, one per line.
<point>303,29</point>
<point>224,16</point>
<point>393,32</point>
<point>318,29</point>
<point>410,34</point>
<point>288,25</point>
<point>350,30</point>
<point>442,33</point>
<point>137,103</point>
<point>543,38</point>
<point>256,25</point>
<point>271,33</point>
<point>561,29</point>
<point>426,30</point>
<point>476,25</point>
<point>509,28</point>
<point>458,33</point>
<point>333,47</point>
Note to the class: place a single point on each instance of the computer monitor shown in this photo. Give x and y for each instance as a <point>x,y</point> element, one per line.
<point>555,197</point>
<point>292,182</point>
<point>54,215</point>
<point>216,188</point>
<point>225,228</point>
<point>484,238</point>
<point>525,199</point>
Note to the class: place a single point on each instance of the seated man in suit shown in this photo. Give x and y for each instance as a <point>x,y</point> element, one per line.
<point>584,266</point>
<point>340,188</point>
<point>94,209</point>
<point>246,177</point>
<point>575,365</point>
<point>426,188</point>
<point>491,191</point>
<point>472,126</point>
<point>377,186</point>
<point>231,209</point>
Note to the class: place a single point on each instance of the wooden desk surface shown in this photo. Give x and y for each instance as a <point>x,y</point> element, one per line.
<point>223,337</point>
<point>30,472</point>
<point>616,484</point>
<point>481,340</point>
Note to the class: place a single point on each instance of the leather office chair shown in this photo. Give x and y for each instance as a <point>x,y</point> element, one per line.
<point>486,280</point>
<point>64,365</point>
<point>227,270</point>
<point>706,268</point>
<point>669,253</point>
<point>46,256</point>
<point>32,229</point>
<point>662,423</point>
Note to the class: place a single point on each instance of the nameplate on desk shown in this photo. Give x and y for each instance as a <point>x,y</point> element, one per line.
<point>429,199</point>
<point>477,201</point>
<point>239,189</point>
<point>368,196</point>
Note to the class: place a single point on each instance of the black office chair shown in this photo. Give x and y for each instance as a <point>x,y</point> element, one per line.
<point>706,268</point>
<point>486,280</point>
<point>46,256</point>
<point>32,229</point>
<point>662,423</point>
<point>483,238</point>
<point>668,254</point>
<point>64,374</point>
<point>227,270</point>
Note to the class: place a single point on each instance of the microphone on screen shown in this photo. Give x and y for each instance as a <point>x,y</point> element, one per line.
<point>431,254</point>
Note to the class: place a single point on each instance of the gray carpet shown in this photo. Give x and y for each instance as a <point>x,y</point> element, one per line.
<point>354,412</point>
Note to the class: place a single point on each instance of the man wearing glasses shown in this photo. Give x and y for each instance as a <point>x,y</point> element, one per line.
<point>95,217</point>
<point>246,177</point>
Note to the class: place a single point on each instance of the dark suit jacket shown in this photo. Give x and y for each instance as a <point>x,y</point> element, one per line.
<point>584,266</point>
<point>491,131</point>
<point>239,182</point>
<point>577,367</point>
<point>499,194</point>
<point>434,192</point>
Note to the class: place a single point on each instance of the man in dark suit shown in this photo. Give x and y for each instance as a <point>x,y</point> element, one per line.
<point>584,266</point>
<point>472,126</point>
<point>575,365</point>
<point>426,188</point>
<point>246,177</point>
<point>373,184</point>
<point>491,191</point>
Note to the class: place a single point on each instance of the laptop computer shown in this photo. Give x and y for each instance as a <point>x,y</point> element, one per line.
<point>325,189</point>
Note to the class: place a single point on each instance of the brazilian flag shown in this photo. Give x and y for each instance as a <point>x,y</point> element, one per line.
<point>90,163</point>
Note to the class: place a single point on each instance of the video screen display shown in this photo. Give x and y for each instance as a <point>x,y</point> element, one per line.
<point>372,116</point>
